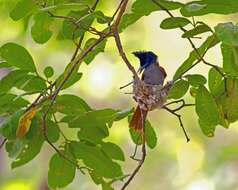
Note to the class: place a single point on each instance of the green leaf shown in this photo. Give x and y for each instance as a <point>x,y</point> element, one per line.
<point>8,128</point>
<point>227,33</point>
<point>203,7</point>
<point>150,135</point>
<point>230,59</point>
<point>229,102</point>
<point>193,56</point>
<point>196,80</point>
<point>75,77</point>
<point>94,118</point>
<point>14,147</point>
<point>22,9</point>
<point>94,158</point>
<point>48,72</point>
<point>174,22</point>
<point>61,172</point>
<point>215,82</point>
<point>84,20</point>
<point>31,83</point>
<point>17,56</point>
<point>40,31</point>
<point>206,107</point>
<point>10,103</point>
<point>135,136</point>
<point>123,113</point>
<point>101,18</point>
<point>113,151</point>
<point>207,129</point>
<point>32,148</point>
<point>70,104</point>
<point>10,80</point>
<point>92,54</point>
<point>92,134</point>
<point>53,131</point>
<point>142,8</point>
<point>202,28</point>
<point>179,89</point>
<point>4,64</point>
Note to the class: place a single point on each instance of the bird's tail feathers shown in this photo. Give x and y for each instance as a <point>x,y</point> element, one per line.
<point>138,119</point>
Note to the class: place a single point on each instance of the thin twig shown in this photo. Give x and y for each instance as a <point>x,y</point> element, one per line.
<point>201,57</point>
<point>181,106</point>
<point>126,85</point>
<point>180,121</point>
<point>3,143</point>
<point>143,155</point>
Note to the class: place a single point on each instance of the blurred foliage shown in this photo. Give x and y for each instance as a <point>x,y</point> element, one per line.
<point>82,23</point>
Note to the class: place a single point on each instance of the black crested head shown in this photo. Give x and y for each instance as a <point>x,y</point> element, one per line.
<point>146,58</point>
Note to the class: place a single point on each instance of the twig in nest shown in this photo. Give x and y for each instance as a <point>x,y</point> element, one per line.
<point>130,83</point>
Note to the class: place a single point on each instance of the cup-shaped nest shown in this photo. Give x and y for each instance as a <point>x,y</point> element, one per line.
<point>149,96</point>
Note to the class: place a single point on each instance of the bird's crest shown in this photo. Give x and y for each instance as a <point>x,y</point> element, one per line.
<point>146,58</point>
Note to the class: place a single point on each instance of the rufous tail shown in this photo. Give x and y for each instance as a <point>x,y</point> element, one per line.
<point>138,119</point>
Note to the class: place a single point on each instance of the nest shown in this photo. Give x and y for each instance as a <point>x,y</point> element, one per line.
<point>149,96</point>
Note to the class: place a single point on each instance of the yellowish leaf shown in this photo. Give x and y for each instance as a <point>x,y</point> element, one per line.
<point>25,122</point>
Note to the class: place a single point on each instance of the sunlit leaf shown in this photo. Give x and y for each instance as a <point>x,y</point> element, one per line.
<point>206,107</point>
<point>92,54</point>
<point>40,30</point>
<point>75,77</point>
<point>33,146</point>
<point>230,59</point>
<point>10,80</point>
<point>196,79</point>
<point>9,127</point>
<point>17,56</point>
<point>22,9</point>
<point>113,151</point>
<point>48,72</point>
<point>142,8</point>
<point>94,158</point>
<point>215,82</point>
<point>200,29</point>
<point>71,104</point>
<point>207,129</point>
<point>227,33</point>
<point>84,20</point>
<point>203,7</point>
<point>174,22</point>
<point>61,172</point>
<point>179,89</point>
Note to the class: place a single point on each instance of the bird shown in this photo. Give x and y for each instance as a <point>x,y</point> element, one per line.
<point>152,74</point>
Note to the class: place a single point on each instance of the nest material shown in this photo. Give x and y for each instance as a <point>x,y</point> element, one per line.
<point>149,96</point>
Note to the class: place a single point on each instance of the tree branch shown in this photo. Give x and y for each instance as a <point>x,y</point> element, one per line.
<point>201,57</point>
<point>141,162</point>
<point>180,121</point>
<point>116,35</point>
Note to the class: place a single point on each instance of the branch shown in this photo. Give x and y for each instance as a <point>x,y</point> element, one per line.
<point>75,63</point>
<point>136,170</point>
<point>181,106</point>
<point>180,120</point>
<point>122,8</point>
<point>3,143</point>
<point>201,57</point>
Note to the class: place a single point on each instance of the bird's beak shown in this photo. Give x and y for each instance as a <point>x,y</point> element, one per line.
<point>140,70</point>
